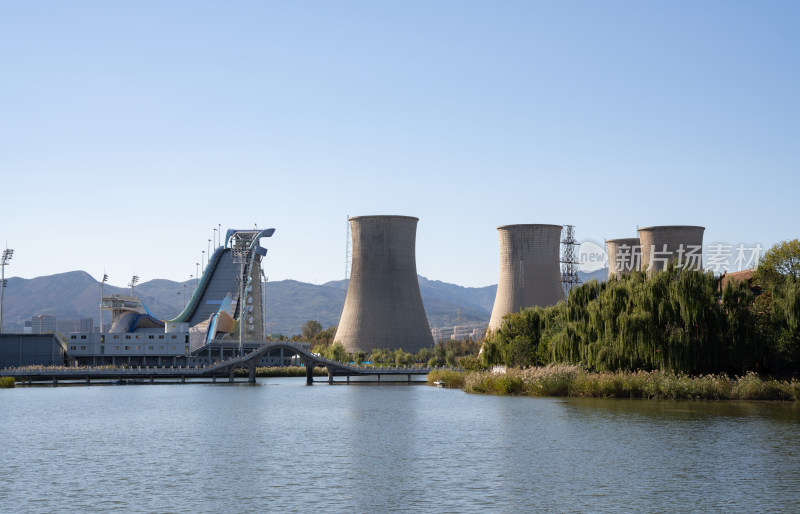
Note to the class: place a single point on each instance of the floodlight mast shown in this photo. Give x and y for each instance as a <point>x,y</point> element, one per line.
<point>8,253</point>
<point>134,280</point>
<point>102,286</point>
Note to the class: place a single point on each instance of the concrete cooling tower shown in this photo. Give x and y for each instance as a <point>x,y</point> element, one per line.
<point>624,256</point>
<point>530,272</point>
<point>383,307</point>
<point>660,245</point>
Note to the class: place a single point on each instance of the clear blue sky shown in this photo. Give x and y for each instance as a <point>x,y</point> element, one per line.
<point>129,130</point>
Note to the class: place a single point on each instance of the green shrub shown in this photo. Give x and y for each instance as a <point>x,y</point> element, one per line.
<point>469,363</point>
<point>452,379</point>
<point>7,382</point>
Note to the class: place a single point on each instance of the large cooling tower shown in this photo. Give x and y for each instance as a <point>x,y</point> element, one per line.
<point>383,307</point>
<point>530,272</point>
<point>660,245</point>
<point>624,256</point>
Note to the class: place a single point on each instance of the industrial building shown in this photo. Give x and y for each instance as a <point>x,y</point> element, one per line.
<point>664,244</point>
<point>530,272</point>
<point>624,256</point>
<point>383,307</point>
<point>31,350</point>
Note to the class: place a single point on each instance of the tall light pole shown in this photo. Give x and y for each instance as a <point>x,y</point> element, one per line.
<point>219,225</point>
<point>185,300</point>
<point>215,237</point>
<point>209,249</point>
<point>134,280</point>
<point>203,260</point>
<point>197,275</point>
<point>102,286</point>
<point>8,253</point>
<point>178,302</point>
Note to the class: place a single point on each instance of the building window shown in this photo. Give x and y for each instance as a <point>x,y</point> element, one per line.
<point>127,347</point>
<point>73,347</point>
<point>116,337</point>
<point>149,337</point>
<point>137,337</point>
<point>83,337</point>
<point>173,347</point>
<point>138,347</point>
<point>174,337</point>
<point>127,337</point>
<point>116,347</point>
<point>72,337</point>
<point>161,337</point>
<point>83,347</point>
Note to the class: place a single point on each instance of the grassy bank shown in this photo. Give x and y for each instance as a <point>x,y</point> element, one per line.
<point>452,379</point>
<point>565,380</point>
<point>6,382</point>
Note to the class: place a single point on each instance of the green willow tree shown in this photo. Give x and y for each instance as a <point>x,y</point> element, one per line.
<point>676,321</point>
<point>778,273</point>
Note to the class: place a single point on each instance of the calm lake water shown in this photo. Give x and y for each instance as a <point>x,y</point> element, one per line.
<point>283,446</point>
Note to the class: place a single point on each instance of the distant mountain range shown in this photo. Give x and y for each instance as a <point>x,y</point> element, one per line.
<point>76,295</point>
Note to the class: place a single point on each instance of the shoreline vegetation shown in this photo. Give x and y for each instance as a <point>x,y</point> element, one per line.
<point>281,371</point>
<point>564,380</point>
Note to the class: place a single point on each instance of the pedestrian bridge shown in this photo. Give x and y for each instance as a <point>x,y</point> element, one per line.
<point>222,370</point>
<point>310,361</point>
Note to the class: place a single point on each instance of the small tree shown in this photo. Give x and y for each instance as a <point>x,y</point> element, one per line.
<point>378,355</point>
<point>778,263</point>
<point>337,352</point>
<point>359,356</point>
<point>310,329</point>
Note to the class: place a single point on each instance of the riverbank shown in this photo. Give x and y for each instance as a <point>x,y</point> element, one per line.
<point>565,380</point>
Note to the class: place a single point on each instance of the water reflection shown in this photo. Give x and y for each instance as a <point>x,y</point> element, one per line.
<point>282,446</point>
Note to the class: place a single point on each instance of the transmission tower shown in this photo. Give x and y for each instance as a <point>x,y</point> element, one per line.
<point>569,259</point>
<point>348,256</point>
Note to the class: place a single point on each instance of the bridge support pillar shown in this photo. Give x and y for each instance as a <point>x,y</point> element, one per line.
<point>183,379</point>
<point>214,378</point>
<point>55,381</point>
<point>151,379</point>
<point>309,374</point>
<point>330,376</point>
<point>230,377</point>
<point>87,380</point>
<point>252,375</point>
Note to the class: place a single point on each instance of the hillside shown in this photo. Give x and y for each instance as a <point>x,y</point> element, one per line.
<point>76,294</point>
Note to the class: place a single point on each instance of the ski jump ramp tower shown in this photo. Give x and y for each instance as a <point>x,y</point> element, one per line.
<point>383,307</point>
<point>530,272</point>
